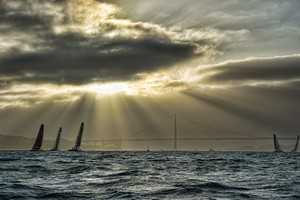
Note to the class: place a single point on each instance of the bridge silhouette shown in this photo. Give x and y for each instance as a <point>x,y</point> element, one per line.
<point>117,143</point>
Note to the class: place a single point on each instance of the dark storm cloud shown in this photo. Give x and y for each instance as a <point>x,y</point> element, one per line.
<point>254,71</point>
<point>25,22</point>
<point>117,60</point>
<point>28,15</point>
<point>39,54</point>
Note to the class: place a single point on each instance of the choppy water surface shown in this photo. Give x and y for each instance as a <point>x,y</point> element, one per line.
<point>149,175</point>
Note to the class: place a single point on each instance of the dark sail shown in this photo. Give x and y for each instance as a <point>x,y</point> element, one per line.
<point>56,143</point>
<point>39,139</point>
<point>276,144</point>
<point>77,144</point>
<point>296,146</point>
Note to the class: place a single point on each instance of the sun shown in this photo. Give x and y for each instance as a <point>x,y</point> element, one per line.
<point>110,88</point>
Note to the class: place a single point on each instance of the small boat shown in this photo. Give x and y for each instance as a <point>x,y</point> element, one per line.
<point>39,139</point>
<point>148,149</point>
<point>56,143</point>
<point>77,144</point>
<point>276,144</point>
<point>296,146</point>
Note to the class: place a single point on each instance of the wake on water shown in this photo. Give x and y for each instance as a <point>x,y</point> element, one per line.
<point>149,175</point>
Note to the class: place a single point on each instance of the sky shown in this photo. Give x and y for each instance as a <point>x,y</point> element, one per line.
<point>121,66</point>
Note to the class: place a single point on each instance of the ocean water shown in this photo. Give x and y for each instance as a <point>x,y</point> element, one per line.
<point>149,175</point>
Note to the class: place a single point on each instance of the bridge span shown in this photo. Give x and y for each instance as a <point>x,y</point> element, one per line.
<point>118,142</point>
<point>175,139</point>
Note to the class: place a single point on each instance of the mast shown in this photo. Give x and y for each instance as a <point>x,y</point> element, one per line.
<point>39,139</point>
<point>56,143</point>
<point>276,144</point>
<point>77,144</point>
<point>296,146</point>
<point>175,133</point>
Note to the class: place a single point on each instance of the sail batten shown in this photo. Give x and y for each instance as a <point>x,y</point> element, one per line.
<point>77,144</point>
<point>39,139</point>
<point>276,144</point>
<point>56,143</point>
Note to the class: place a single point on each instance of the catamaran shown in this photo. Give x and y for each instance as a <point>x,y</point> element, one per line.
<point>276,144</point>
<point>39,139</point>
<point>296,146</point>
<point>56,143</point>
<point>77,144</point>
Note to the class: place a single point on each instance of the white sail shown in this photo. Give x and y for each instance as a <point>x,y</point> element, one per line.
<point>276,144</point>
<point>296,146</point>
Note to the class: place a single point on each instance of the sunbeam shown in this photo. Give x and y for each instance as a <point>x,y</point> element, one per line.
<point>122,66</point>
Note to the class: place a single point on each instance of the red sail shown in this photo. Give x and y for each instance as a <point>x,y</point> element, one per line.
<point>39,139</point>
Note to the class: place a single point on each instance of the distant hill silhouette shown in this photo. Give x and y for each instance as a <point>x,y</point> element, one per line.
<point>9,142</point>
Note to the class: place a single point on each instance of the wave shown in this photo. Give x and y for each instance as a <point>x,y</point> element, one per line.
<point>125,173</point>
<point>9,159</point>
<point>62,162</point>
<point>37,168</point>
<point>121,195</point>
<point>212,186</point>
<point>78,169</point>
<point>105,183</point>
<point>204,188</point>
<point>65,195</point>
<point>101,175</point>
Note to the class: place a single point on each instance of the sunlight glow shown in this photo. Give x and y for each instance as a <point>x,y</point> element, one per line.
<point>110,88</point>
<point>26,95</point>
